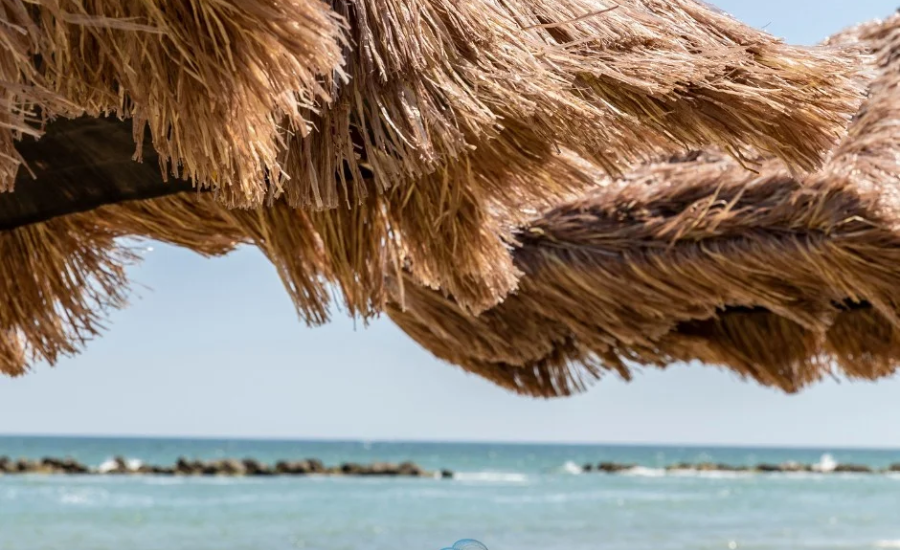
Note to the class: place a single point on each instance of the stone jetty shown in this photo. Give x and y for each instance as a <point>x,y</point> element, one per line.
<point>787,467</point>
<point>221,467</point>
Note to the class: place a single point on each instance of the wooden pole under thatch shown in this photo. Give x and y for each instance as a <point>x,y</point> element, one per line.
<point>780,279</point>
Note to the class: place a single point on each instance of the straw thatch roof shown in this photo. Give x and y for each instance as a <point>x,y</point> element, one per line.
<point>362,137</point>
<point>780,279</point>
<point>441,113</point>
<point>230,91</point>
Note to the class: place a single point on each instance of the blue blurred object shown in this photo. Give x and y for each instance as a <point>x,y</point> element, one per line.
<point>468,544</point>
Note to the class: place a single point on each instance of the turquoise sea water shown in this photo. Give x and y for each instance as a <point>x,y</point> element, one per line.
<point>510,497</point>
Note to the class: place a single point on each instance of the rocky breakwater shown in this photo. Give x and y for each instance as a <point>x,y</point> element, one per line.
<point>221,467</point>
<point>787,467</point>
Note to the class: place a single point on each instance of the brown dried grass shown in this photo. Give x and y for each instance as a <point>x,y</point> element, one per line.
<point>664,270</point>
<point>447,115</point>
<point>458,120</point>
<point>231,90</point>
<point>779,279</point>
<point>61,277</point>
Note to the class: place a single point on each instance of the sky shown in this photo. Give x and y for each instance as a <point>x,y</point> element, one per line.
<point>212,348</point>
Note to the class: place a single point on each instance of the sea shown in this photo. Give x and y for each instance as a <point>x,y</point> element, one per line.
<point>507,496</point>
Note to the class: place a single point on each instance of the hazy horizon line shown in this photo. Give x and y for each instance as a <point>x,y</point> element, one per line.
<point>474,441</point>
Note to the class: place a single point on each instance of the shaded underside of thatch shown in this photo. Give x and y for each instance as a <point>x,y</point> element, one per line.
<point>779,279</point>
<point>77,166</point>
<point>701,261</point>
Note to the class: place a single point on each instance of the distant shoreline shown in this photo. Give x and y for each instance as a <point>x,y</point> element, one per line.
<point>251,467</point>
<point>220,467</point>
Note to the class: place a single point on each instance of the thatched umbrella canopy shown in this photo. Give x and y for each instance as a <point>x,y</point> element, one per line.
<point>780,279</point>
<point>443,111</point>
<point>231,90</point>
<point>360,136</point>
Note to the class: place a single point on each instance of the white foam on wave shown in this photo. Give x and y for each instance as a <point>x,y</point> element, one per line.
<point>642,471</point>
<point>710,474</point>
<point>110,465</point>
<point>796,475</point>
<point>825,464</point>
<point>491,477</point>
<point>107,466</point>
<point>74,498</point>
<point>570,468</point>
<point>887,544</point>
<point>161,480</point>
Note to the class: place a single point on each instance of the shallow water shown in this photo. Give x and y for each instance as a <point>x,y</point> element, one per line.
<point>520,497</point>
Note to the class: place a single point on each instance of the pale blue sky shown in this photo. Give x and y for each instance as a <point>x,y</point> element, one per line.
<point>212,348</point>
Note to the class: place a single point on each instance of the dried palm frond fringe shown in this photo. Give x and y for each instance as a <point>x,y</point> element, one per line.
<point>428,81</point>
<point>441,112</point>
<point>410,108</point>
<point>779,279</point>
<point>664,270</point>
<point>61,277</point>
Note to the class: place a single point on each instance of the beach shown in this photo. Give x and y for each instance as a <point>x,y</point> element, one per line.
<point>523,497</point>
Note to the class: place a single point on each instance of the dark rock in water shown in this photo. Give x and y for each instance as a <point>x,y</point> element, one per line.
<point>351,468</point>
<point>187,467</point>
<point>120,466</point>
<point>409,469</point>
<point>226,467</point>
<point>232,467</point>
<point>679,466</point>
<point>587,468</point>
<point>853,468</point>
<point>255,468</point>
<point>794,467</point>
<point>767,468</point>
<point>894,467</point>
<point>382,469</point>
<point>447,474</point>
<point>300,467</point>
<point>613,467</point>
<point>72,466</point>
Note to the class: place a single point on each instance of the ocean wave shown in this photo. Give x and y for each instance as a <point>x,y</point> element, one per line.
<point>570,468</point>
<point>82,496</point>
<point>886,544</point>
<point>110,465</point>
<point>491,477</point>
<point>826,463</point>
<point>710,474</point>
<point>642,471</point>
<point>74,499</point>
